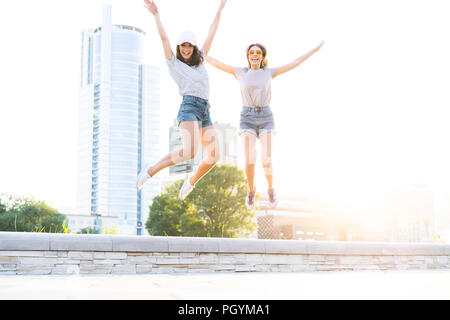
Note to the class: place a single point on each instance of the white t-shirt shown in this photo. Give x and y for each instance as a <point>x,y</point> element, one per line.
<point>255,85</point>
<point>193,81</point>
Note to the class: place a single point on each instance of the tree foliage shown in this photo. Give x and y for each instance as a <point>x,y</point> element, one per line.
<point>29,215</point>
<point>215,208</point>
<point>89,230</point>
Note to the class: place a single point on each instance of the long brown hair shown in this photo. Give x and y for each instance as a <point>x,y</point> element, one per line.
<point>195,60</point>
<point>264,62</point>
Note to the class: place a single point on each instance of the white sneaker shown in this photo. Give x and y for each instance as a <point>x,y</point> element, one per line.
<point>186,188</point>
<point>143,177</point>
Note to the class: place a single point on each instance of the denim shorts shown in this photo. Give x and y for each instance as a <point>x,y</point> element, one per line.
<point>257,120</point>
<point>194,109</point>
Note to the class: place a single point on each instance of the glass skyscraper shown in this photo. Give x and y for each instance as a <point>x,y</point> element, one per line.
<point>118,125</point>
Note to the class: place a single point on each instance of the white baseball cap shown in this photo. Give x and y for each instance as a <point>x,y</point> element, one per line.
<point>187,36</point>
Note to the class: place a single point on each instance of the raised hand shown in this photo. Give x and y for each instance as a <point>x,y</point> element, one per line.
<point>213,28</point>
<point>320,45</point>
<point>298,61</point>
<point>151,6</point>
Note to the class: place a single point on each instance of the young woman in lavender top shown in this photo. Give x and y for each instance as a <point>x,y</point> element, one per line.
<point>257,120</point>
<point>188,70</point>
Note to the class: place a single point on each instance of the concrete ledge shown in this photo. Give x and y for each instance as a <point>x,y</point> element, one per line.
<point>185,244</point>
<point>138,244</point>
<point>42,253</point>
<point>24,241</point>
<point>78,242</point>
<point>29,241</point>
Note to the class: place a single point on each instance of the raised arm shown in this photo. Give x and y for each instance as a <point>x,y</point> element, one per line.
<point>213,28</point>
<point>221,66</point>
<point>297,61</point>
<point>151,6</point>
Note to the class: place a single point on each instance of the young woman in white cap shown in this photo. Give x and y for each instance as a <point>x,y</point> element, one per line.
<point>187,69</point>
<point>256,120</point>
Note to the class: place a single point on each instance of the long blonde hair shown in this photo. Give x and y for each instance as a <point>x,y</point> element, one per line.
<point>264,63</point>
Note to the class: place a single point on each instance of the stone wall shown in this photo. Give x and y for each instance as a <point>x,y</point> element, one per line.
<point>42,253</point>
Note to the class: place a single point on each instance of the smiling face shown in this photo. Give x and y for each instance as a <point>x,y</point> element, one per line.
<point>256,56</point>
<point>189,54</point>
<point>186,50</point>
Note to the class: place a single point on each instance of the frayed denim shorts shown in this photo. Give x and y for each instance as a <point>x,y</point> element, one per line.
<point>194,109</point>
<point>257,120</point>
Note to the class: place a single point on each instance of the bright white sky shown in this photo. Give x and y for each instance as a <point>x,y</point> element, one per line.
<point>367,113</point>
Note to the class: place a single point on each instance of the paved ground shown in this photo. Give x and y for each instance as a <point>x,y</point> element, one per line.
<point>232,286</point>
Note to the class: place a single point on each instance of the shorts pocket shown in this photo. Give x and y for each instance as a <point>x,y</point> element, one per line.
<point>245,113</point>
<point>188,108</point>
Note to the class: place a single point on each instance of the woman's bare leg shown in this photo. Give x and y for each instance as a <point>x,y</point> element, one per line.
<point>249,141</point>
<point>189,138</point>
<point>210,144</point>
<point>266,155</point>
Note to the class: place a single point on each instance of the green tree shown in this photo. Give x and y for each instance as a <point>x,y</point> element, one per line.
<point>215,208</point>
<point>29,215</point>
<point>2,207</point>
<point>89,230</point>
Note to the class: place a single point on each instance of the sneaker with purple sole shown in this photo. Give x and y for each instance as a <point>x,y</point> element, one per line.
<point>273,200</point>
<point>250,200</point>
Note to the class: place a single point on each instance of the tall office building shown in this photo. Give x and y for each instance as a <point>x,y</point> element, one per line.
<point>118,125</point>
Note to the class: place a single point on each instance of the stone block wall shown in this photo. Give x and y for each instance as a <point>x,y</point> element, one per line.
<point>44,254</point>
